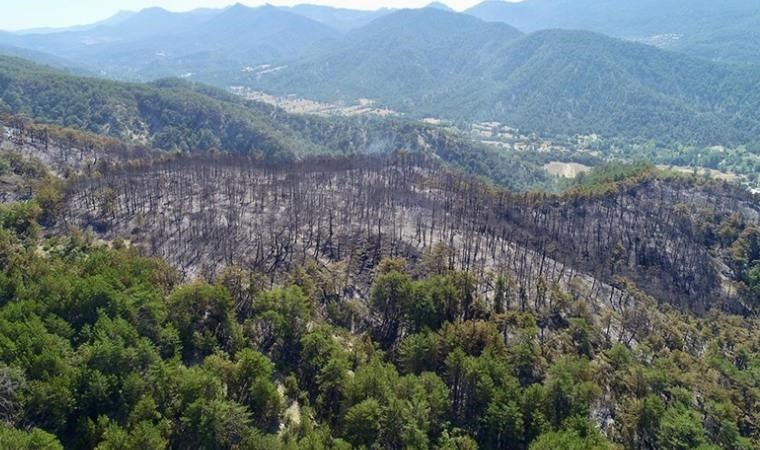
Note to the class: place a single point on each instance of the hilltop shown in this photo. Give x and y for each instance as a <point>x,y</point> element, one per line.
<point>322,340</point>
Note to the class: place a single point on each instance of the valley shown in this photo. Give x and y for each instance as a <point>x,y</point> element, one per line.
<point>572,152</point>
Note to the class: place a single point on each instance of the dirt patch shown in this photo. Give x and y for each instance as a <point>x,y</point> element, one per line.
<point>565,169</point>
<point>296,105</point>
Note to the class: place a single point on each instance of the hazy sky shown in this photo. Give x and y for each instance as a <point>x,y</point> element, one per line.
<point>22,14</point>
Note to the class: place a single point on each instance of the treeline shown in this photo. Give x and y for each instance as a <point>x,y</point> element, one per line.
<point>101,348</point>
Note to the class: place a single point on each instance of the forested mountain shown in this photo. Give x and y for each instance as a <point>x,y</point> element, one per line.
<point>239,40</point>
<point>435,63</point>
<point>397,59</point>
<point>567,82</point>
<point>144,23</point>
<point>168,114</point>
<point>718,30</point>
<point>41,58</point>
<point>77,43</point>
<point>177,115</point>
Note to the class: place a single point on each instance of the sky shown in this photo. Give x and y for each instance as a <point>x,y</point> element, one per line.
<point>24,14</point>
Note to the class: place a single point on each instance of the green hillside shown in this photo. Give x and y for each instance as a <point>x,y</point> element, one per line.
<point>410,59</point>
<point>581,82</point>
<point>557,82</point>
<point>101,348</point>
<point>171,115</point>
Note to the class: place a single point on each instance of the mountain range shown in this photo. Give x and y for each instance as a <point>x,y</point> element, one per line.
<point>433,62</point>
<point>155,43</point>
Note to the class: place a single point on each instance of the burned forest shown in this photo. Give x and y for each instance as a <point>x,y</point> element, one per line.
<point>202,213</point>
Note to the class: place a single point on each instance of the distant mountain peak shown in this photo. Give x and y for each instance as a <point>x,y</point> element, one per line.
<point>431,17</point>
<point>150,13</point>
<point>243,7</point>
<point>154,10</point>
<point>439,5</point>
<point>120,16</point>
<point>268,7</point>
<point>238,7</point>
